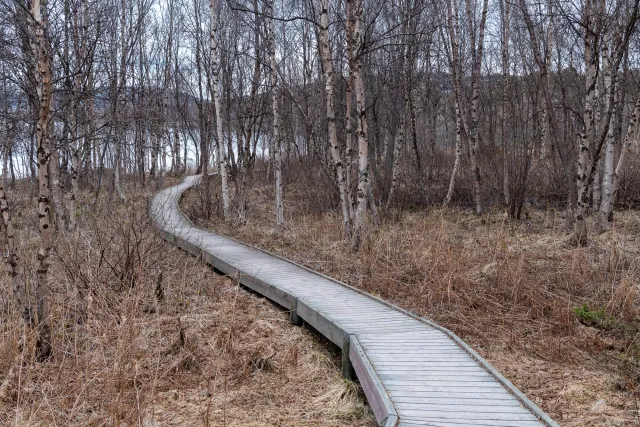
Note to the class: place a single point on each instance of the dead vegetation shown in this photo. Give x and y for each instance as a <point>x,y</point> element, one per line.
<point>515,290</point>
<point>144,334</point>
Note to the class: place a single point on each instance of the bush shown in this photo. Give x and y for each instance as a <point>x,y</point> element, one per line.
<point>595,318</point>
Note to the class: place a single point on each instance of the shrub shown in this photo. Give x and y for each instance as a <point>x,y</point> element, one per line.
<point>595,318</point>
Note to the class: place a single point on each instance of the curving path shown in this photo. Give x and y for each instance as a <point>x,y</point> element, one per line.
<point>413,371</point>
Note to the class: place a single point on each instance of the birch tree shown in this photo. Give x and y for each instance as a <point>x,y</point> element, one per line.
<point>11,258</point>
<point>477,48</point>
<point>327,68</point>
<point>215,91</point>
<point>505,12</point>
<point>40,51</point>
<point>355,11</point>
<point>611,179</point>
<point>250,117</point>
<point>597,36</point>
<point>453,28</point>
<point>275,109</point>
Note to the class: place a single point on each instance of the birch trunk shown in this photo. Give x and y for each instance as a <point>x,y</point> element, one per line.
<point>246,155</point>
<point>398,140</point>
<point>79,70</point>
<point>348,124</point>
<point>18,287</point>
<point>348,155</point>
<point>612,176</point>
<point>121,105</point>
<point>327,62</point>
<point>547,151</point>
<point>454,31</point>
<point>39,44</point>
<point>116,175</point>
<point>584,158</point>
<point>273,80</point>
<point>505,9</point>
<point>215,90</point>
<point>354,15</point>
<point>75,167</point>
<point>5,164</point>
<point>596,192</point>
<point>594,132</point>
<point>56,189</point>
<point>11,258</point>
<point>75,164</point>
<point>477,62</point>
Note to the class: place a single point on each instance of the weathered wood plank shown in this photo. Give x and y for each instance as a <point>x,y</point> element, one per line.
<point>377,396</point>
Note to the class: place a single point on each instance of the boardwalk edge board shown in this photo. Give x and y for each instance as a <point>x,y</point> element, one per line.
<point>377,396</point>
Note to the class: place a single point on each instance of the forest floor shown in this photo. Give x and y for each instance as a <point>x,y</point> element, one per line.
<point>144,334</point>
<point>562,323</point>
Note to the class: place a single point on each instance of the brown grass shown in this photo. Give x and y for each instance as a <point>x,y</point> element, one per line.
<point>205,353</point>
<point>508,288</point>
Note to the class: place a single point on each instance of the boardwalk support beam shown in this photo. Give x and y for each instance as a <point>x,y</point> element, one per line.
<point>293,314</point>
<point>347,367</point>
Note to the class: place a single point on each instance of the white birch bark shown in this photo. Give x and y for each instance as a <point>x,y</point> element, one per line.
<point>121,106</point>
<point>39,45</point>
<point>11,257</point>
<point>327,62</point>
<point>244,150</point>
<point>75,168</point>
<point>153,171</point>
<point>18,287</point>
<point>454,31</point>
<point>505,9</point>
<point>547,142</point>
<point>348,123</point>
<point>477,62</point>
<point>354,14</point>
<point>398,140</point>
<point>584,158</point>
<point>56,190</point>
<point>273,80</point>
<point>215,89</point>
<point>612,176</point>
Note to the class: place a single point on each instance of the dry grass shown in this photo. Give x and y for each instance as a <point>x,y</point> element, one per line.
<point>147,335</point>
<point>508,288</point>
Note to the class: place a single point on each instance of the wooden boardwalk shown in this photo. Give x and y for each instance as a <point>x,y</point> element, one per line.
<point>413,371</point>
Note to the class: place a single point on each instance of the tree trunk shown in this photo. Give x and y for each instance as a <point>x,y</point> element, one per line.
<point>454,38</point>
<point>355,17</point>
<point>215,90</point>
<point>11,258</point>
<point>474,140</point>
<point>56,190</point>
<point>398,140</point>
<point>611,179</point>
<point>42,76</point>
<point>327,62</point>
<point>505,9</point>
<point>273,80</point>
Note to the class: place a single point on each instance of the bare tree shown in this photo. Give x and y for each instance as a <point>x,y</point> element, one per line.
<point>215,91</point>
<point>40,51</point>
<point>327,67</point>
<point>356,45</point>
<point>273,80</point>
